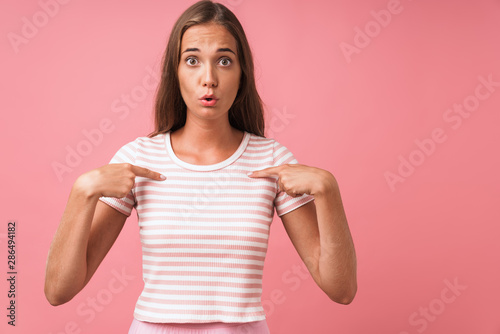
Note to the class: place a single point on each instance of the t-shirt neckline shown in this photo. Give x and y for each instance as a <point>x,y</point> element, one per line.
<point>219,165</point>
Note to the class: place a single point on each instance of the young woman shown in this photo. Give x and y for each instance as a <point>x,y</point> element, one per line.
<point>204,217</point>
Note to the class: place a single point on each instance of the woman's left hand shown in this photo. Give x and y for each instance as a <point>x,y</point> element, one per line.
<point>297,179</point>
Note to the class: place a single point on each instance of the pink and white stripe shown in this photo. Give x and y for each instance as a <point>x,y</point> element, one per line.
<point>204,230</point>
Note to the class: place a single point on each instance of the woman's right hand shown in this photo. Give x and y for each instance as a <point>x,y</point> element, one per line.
<point>113,180</point>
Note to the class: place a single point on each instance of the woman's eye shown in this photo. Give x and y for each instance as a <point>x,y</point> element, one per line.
<point>225,61</point>
<point>191,61</point>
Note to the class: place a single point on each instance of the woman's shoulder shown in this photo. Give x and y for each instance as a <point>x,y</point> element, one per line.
<point>279,152</point>
<point>259,140</point>
<point>144,141</point>
<point>270,147</point>
<point>155,140</point>
<point>272,143</point>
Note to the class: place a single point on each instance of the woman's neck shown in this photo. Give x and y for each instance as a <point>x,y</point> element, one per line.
<point>211,143</point>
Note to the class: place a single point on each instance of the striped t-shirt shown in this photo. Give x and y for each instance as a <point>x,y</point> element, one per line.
<point>204,230</point>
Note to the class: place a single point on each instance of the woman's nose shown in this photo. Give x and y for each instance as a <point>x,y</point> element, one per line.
<point>209,77</point>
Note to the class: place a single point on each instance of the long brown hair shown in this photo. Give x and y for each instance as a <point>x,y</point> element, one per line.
<point>246,112</point>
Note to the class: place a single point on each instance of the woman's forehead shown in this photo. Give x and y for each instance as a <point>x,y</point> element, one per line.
<point>206,37</point>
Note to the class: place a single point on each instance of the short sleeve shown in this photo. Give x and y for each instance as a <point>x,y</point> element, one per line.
<point>283,202</point>
<point>126,154</point>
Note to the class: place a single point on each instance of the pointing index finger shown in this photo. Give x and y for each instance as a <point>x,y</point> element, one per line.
<point>266,172</point>
<point>144,172</point>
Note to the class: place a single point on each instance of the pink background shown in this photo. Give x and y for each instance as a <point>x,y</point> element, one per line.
<point>355,114</point>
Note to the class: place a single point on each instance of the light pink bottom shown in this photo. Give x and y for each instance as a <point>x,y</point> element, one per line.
<point>254,327</point>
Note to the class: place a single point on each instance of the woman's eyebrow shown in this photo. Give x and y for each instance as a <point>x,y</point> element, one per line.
<point>218,50</point>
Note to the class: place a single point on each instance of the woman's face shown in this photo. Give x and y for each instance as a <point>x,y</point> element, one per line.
<point>208,66</point>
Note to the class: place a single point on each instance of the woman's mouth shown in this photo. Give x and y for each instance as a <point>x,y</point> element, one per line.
<point>208,101</point>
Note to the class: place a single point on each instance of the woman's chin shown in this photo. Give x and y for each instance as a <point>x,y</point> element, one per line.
<point>209,113</point>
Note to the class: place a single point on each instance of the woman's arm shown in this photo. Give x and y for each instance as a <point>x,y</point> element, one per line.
<point>86,224</point>
<point>320,234</point>
<point>88,229</point>
<point>319,230</point>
